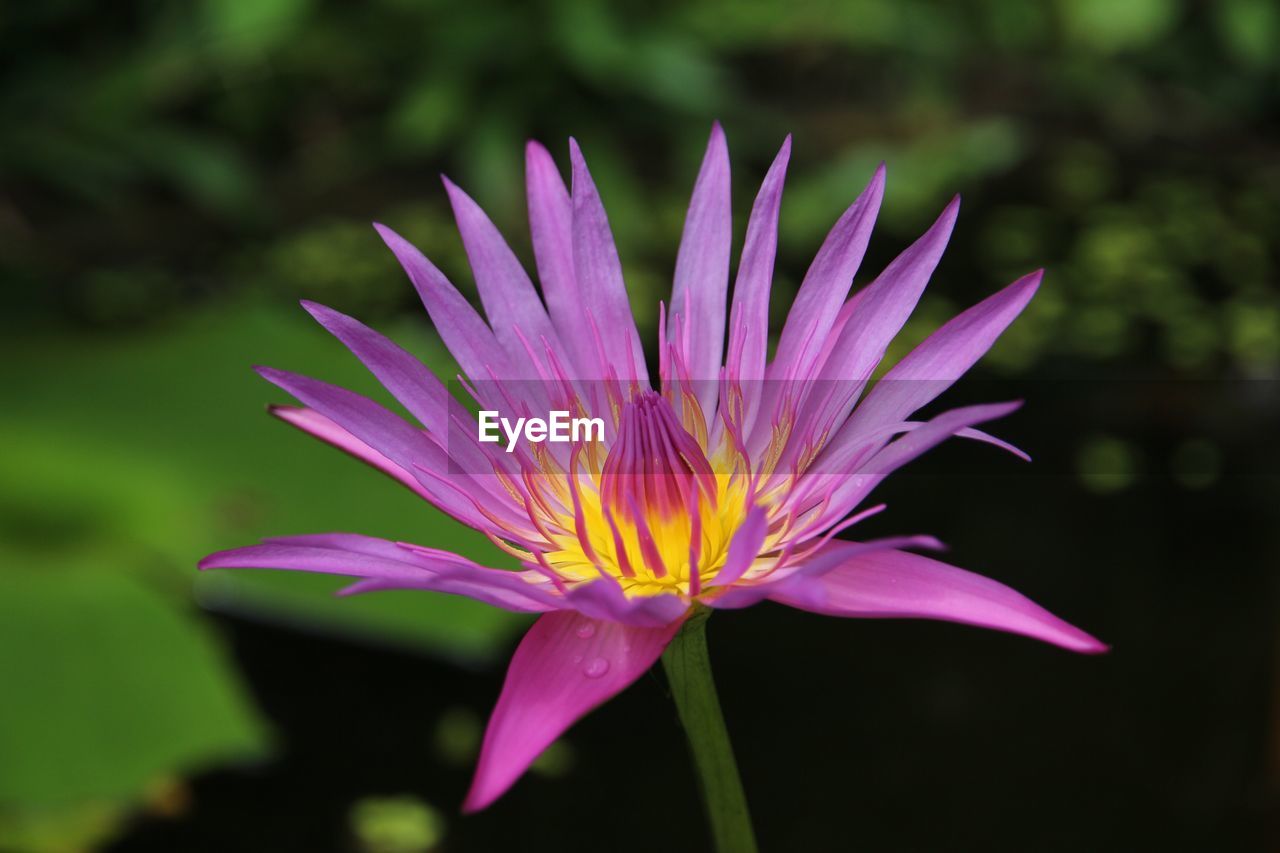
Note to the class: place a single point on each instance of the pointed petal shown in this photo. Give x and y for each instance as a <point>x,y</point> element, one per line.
<point>874,318</point>
<point>826,284</point>
<point>409,380</point>
<point>369,422</point>
<point>752,592</point>
<point>933,433</point>
<point>701,279</point>
<point>388,565</point>
<point>506,292</point>
<point>316,424</point>
<point>853,488</point>
<point>755,272</point>
<point>895,584</point>
<point>943,357</point>
<point>749,318</point>
<point>988,438</point>
<point>421,393</point>
<point>600,283</point>
<point>971,434</point>
<point>551,228</point>
<point>467,336</point>
<point>884,305</point>
<point>392,437</point>
<point>566,665</point>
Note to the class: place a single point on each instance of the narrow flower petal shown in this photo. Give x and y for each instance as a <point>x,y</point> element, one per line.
<point>826,284</point>
<point>566,665</point>
<point>487,590</point>
<point>515,312</point>
<point>603,598</point>
<point>749,318</point>
<point>600,283</point>
<point>421,393</point>
<point>408,379</point>
<point>943,357</point>
<point>896,584</point>
<point>701,280</point>
<point>551,229</point>
<point>467,336</point>
<point>391,436</point>
<point>882,308</point>
<point>867,324</point>
<point>316,424</point>
<point>369,422</point>
<point>932,433</point>
<point>853,488</point>
<point>392,566</point>
<point>747,594</point>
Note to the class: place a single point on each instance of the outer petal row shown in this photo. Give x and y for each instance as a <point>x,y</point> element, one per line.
<point>897,584</point>
<point>565,666</point>
<point>389,565</point>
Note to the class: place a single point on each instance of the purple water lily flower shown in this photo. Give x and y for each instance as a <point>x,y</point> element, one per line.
<point>723,487</point>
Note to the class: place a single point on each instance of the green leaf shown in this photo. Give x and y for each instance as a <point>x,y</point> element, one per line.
<point>107,687</point>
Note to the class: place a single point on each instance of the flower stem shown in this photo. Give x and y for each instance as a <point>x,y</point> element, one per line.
<point>688,668</point>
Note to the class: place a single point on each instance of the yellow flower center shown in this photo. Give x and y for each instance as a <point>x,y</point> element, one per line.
<point>653,553</point>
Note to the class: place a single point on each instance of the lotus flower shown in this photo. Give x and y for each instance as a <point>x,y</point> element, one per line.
<point>721,487</point>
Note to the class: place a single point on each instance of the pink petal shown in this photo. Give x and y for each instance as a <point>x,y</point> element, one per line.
<point>885,304</point>
<point>407,378</point>
<point>753,592</point>
<point>369,422</point>
<point>749,319</point>
<point>566,665</point>
<point>316,424</point>
<point>390,436</point>
<point>853,488</point>
<point>896,584</point>
<point>934,365</point>
<point>508,295</point>
<point>701,280</point>
<point>425,396</point>
<point>882,308</point>
<point>971,434</point>
<point>391,566</point>
<point>551,227</point>
<point>826,284</point>
<point>600,283</point>
<point>467,336</point>
<point>603,598</point>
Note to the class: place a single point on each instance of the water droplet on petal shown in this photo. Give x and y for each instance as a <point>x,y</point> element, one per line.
<point>586,630</point>
<point>595,668</point>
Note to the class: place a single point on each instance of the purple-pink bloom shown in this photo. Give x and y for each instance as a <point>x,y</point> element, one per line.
<point>721,485</point>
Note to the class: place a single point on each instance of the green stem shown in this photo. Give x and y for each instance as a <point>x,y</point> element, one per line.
<point>688,669</point>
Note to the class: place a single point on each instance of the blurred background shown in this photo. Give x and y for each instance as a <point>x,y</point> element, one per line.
<point>175,176</point>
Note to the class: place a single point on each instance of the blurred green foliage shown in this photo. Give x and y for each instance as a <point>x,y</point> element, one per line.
<point>123,461</point>
<point>396,825</point>
<point>173,176</point>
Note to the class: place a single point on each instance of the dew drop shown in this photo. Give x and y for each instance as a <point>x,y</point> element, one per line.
<point>586,630</point>
<point>595,668</point>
